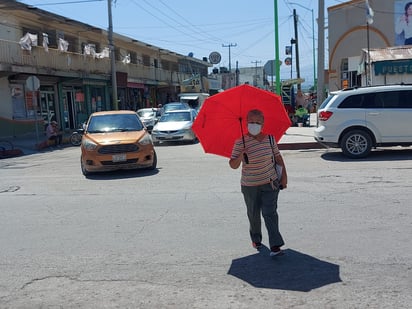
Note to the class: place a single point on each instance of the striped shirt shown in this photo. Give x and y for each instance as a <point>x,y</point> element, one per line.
<point>260,169</point>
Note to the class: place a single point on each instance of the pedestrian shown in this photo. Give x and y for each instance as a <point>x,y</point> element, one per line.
<point>160,110</point>
<point>260,187</point>
<point>301,115</point>
<point>300,99</point>
<point>53,133</point>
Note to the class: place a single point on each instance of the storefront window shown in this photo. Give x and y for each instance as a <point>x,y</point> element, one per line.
<point>97,100</point>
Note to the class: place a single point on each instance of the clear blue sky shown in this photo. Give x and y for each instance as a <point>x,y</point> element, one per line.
<point>200,27</point>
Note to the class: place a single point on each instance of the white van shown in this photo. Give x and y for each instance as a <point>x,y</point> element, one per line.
<point>359,119</point>
<point>194,99</point>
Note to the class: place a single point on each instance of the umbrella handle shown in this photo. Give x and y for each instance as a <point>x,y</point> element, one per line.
<point>245,157</point>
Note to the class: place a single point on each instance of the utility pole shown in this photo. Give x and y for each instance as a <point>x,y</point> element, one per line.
<point>321,52</point>
<point>292,41</point>
<point>369,20</point>
<point>367,72</point>
<point>256,73</point>
<point>295,22</point>
<point>237,73</point>
<point>313,41</point>
<point>230,63</point>
<point>112,57</point>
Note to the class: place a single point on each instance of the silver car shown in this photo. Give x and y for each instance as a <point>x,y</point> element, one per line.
<point>175,126</point>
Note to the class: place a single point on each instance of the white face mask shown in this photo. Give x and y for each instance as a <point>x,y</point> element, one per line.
<point>254,128</point>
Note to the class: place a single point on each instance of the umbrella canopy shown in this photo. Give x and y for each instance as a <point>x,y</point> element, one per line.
<point>222,118</point>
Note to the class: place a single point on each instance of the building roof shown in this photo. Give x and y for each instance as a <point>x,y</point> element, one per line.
<point>389,53</point>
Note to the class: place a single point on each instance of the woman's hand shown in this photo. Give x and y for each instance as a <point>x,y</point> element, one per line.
<point>235,163</point>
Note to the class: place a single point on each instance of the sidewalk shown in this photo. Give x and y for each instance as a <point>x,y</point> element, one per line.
<point>295,138</point>
<point>29,144</point>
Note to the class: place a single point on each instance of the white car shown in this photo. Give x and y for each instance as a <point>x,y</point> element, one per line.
<point>359,119</point>
<point>149,116</point>
<point>175,126</point>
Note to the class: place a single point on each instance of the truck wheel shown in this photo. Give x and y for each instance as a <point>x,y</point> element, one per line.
<point>356,144</point>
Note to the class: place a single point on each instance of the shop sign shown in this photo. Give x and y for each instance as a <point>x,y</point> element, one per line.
<point>215,57</point>
<point>135,85</point>
<point>288,61</point>
<point>32,83</point>
<point>393,67</point>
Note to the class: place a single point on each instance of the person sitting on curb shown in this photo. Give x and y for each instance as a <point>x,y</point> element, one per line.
<point>301,115</point>
<point>53,134</point>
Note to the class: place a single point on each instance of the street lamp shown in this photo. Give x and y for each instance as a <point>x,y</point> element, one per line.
<point>313,41</point>
<point>277,61</point>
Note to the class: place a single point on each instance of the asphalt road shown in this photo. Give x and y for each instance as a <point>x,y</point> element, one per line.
<point>178,237</point>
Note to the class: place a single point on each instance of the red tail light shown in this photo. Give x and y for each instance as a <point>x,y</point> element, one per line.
<point>324,116</point>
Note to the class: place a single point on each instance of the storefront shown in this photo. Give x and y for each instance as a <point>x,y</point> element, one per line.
<point>386,66</point>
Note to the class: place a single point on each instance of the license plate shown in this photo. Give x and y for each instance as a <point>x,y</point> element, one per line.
<point>170,136</point>
<point>119,157</point>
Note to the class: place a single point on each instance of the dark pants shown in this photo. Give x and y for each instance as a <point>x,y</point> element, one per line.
<point>56,138</point>
<point>263,200</point>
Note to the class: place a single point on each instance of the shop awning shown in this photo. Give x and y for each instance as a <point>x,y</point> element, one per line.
<point>189,97</point>
<point>135,85</point>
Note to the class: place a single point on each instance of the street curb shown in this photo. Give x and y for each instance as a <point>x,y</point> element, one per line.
<point>300,146</point>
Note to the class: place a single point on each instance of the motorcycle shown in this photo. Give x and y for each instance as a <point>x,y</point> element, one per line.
<point>76,136</point>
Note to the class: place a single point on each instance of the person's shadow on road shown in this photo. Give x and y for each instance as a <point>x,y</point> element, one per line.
<point>292,271</point>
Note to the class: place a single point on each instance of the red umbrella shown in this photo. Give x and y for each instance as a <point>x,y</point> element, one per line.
<point>222,118</point>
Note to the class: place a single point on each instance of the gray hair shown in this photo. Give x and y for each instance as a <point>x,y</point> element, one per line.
<point>255,112</point>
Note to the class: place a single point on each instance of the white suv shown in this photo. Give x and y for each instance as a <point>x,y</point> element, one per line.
<point>358,119</point>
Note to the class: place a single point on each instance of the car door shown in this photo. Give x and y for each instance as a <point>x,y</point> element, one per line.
<point>399,108</point>
<point>389,118</point>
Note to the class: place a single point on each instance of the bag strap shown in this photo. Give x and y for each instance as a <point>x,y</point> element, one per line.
<point>271,141</point>
<point>275,164</point>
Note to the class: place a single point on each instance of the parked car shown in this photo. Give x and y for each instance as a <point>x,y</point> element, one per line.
<point>114,140</point>
<point>175,125</point>
<point>359,119</point>
<point>175,106</point>
<point>149,117</point>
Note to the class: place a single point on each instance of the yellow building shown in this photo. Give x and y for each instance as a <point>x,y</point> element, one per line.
<point>55,68</point>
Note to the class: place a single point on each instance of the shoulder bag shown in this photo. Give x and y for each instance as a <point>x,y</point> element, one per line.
<point>278,168</point>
